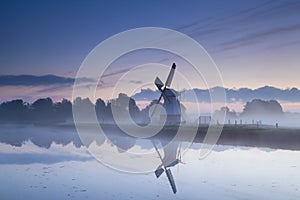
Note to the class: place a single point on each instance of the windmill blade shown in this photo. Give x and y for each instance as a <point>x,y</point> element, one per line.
<point>165,96</point>
<point>153,111</point>
<point>172,164</point>
<point>159,172</point>
<point>158,101</point>
<point>180,155</point>
<point>159,84</point>
<point>171,180</point>
<point>170,77</point>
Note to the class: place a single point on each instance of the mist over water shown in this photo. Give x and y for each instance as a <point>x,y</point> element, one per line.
<point>50,163</point>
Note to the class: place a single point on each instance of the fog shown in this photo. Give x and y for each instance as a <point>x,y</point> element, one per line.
<point>61,170</point>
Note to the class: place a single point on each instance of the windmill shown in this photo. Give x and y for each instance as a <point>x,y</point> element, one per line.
<point>171,103</point>
<point>171,153</point>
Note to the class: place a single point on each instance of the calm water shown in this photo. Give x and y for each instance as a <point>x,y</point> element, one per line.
<point>60,168</point>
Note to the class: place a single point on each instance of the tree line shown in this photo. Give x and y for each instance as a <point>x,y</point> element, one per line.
<point>255,109</point>
<point>45,110</point>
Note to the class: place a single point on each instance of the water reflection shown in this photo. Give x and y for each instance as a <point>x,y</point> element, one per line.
<point>31,158</point>
<point>57,166</point>
<point>44,137</point>
<point>17,135</point>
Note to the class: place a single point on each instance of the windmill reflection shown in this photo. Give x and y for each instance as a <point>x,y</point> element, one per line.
<point>170,157</point>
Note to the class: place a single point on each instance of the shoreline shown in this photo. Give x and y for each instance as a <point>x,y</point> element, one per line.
<point>245,135</point>
<point>240,135</point>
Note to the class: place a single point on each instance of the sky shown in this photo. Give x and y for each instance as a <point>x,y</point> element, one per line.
<point>253,43</point>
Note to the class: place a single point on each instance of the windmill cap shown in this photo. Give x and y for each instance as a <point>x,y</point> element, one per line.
<point>174,66</point>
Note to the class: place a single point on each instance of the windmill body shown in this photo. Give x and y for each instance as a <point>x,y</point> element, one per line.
<point>172,107</point>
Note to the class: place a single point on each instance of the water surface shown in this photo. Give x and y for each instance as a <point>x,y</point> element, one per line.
<point>61,168</point>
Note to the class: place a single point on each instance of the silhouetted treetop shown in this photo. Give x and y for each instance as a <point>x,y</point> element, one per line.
<point>13,110</point>
<point>224,112</point>
<point>258,107</point>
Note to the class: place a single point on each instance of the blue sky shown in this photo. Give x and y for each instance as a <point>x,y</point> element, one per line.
<point>254,43</point>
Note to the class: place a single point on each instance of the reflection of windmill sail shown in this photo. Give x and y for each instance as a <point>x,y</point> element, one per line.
<point>169,159</point>
<point>171,180</point>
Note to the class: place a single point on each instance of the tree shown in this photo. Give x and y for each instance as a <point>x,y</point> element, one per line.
<point>63,109</point>
<point>145,113</point>
<point>261,108</point>
<point>101,110</point>
<point>42,109</point>
<point>134,110</point>
<point>224,111</point>
<point>124,104</point>
<point>43,104</point>
<point>84,109</point>
<point>15,110</point>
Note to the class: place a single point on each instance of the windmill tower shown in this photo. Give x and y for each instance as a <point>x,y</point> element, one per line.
<point>171,103</point>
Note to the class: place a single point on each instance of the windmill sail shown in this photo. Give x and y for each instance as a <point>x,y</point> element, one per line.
<point>171,75</point>
<point>159,172</point>
<point>159,84</point>
<point>170,157</point>
<point>171,180</point>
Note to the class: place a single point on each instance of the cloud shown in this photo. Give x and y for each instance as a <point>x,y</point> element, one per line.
<point>251,25</point>
<point>52,88</point>
<point>232,95</point>
<point>222,22</point>
<point>255,37</point>
<point>32,80</point>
